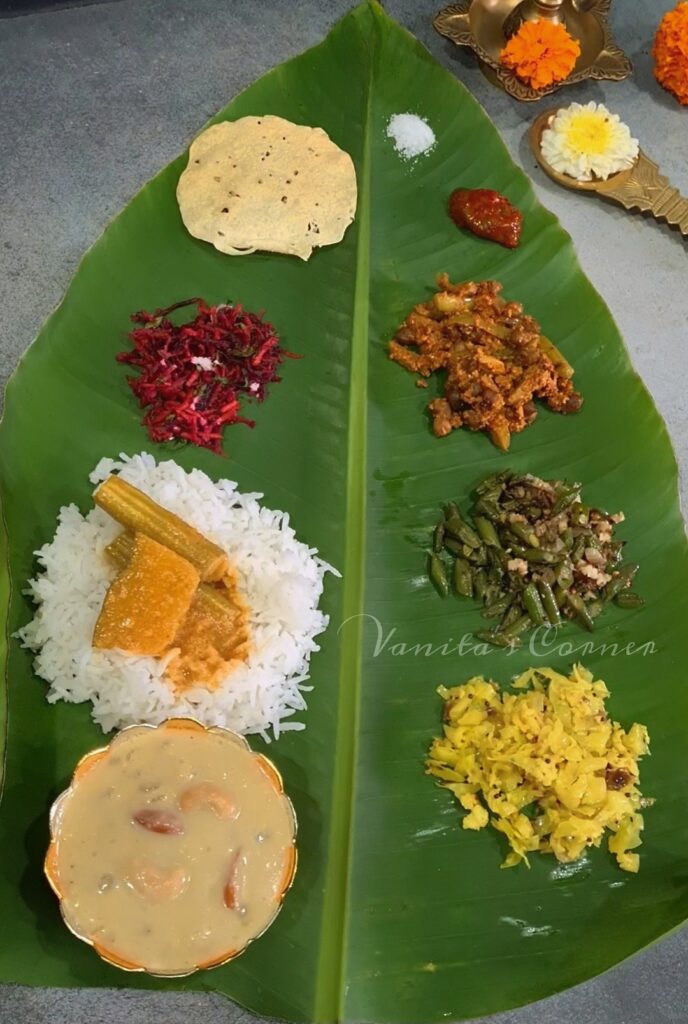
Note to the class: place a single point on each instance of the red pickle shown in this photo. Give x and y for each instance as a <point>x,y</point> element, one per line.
<point>487,214</point>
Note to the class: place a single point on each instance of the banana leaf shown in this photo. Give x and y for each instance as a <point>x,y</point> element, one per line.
<point>396,914</point>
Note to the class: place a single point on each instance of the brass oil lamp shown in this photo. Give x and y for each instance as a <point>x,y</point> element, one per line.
<point>486,25</point>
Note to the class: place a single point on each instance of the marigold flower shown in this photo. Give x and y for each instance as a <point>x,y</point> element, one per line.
<point>541,53</point>
<point>670,51</point>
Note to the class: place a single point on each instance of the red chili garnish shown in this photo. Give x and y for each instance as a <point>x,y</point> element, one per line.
<point>487,214</point>
<point>194,376</point>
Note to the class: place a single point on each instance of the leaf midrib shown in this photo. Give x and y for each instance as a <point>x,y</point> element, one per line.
<point>331,969</point>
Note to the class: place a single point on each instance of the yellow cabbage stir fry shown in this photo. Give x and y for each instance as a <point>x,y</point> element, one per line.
<point>544,765</point>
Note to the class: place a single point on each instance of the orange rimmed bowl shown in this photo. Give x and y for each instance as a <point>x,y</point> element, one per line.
<point>87,763</point>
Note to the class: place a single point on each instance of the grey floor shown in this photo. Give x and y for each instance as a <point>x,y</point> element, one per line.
<point>94,100</point>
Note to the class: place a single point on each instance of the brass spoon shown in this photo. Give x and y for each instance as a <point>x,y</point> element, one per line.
<point>641,187</point>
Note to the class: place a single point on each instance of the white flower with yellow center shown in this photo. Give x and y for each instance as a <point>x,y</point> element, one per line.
<point>587,141</point>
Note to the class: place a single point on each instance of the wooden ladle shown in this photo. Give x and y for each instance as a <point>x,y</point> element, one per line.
<point>641,187</point>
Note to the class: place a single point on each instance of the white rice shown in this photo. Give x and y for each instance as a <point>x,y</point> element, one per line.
<point>280,578</point>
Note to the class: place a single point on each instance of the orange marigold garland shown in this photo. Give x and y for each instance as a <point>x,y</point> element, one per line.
<point>671,52</point>
<point>541,53</point>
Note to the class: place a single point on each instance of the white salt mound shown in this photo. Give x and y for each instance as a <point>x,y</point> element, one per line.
<point>411,135</point>
<point>280,578</point>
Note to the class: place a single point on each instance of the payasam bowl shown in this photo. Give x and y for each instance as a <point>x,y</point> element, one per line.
<point>85,765</point>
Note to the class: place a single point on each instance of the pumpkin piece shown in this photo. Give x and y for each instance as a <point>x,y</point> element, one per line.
<point>213,635</point>
<point>147,601</point>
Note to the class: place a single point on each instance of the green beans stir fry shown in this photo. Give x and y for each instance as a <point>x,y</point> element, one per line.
<point>535,555</point>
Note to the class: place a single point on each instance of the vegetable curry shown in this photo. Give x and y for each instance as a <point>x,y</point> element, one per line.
<point>495,357</point>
